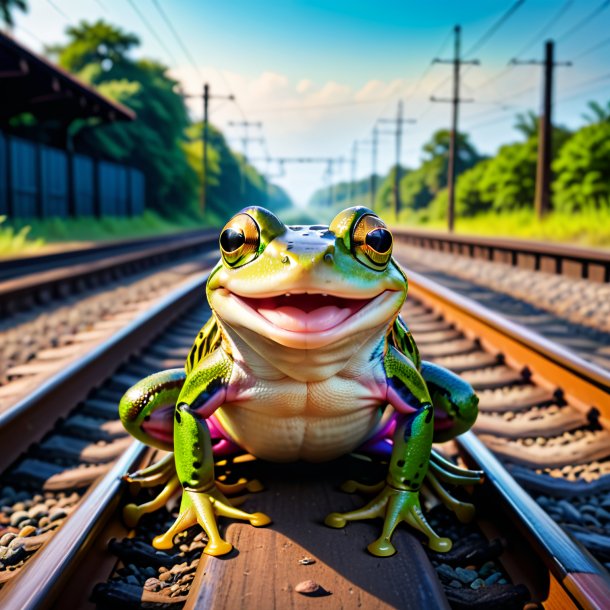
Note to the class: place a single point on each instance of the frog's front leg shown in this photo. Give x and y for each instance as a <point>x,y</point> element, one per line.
<point>399,499</point>
<point>202,501</point>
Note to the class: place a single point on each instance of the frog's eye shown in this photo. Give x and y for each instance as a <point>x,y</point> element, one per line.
<point>372,242</point>
<point>239,240</point>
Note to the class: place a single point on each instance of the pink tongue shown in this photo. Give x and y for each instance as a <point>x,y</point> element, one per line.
<point>297,320</point>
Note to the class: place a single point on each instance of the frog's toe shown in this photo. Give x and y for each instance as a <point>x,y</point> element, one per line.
<point>382,547</point>
<point>336,520</point>
<point>254,486</point>
<point>464,511</point>
<point>157,474</point>
<point>440,545</point>
<point>351,487</point>
<point>259,519</point>
<point>132,512</point>
<point>218,548</point>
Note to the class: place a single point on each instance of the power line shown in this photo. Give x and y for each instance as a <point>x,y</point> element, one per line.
<point>317,106</point>
<point>58,10</point>
<point>602,7</point>
<point>188,55</point>
<point>177,38</point>
<point>152,31</point>
<point>546,28</point>
<point>495,27</point>
<point>599,45</point>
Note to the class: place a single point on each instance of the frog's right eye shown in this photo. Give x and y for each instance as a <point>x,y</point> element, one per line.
<point>239,240</point>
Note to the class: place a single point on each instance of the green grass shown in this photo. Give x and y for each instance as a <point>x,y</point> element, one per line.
<point>17,241</point>
<point>25,237</point>
<point>590,227</point>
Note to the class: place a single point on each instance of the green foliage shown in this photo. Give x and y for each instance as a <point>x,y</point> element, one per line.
<point>98,53</point>
<point>49,230</point>
<point>15,241</point>
<point>597,112</point>
<point>583,169</point>
<point>232,183</point>
<point>590,227</point>
<point>99,44</point>
<point>6,10</point>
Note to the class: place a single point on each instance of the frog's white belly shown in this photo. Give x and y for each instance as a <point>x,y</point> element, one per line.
<point>286,420</point>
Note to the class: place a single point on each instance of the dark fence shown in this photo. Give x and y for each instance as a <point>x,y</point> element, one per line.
<point>37,181</point>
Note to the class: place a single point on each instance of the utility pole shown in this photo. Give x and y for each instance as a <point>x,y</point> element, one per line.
<point>245,140</point>
<point>399,121</point>
<point>373,187</point>
<point>354,164</point>
<point>330,170</point>
<point>206,97</point>
<point>545,129</point>
<point>457,61</point>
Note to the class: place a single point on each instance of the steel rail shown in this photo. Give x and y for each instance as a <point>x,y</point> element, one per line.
<point>575,572</point>
<point>587,384</point>
<point>589,262</point>
<point>52,567</point>
<point>35,263</point>
<point>15,291</point>
<point>31,418</point>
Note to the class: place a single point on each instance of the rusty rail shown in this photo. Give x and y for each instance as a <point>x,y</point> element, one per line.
<point>571,261</point>
<point>45,285</point>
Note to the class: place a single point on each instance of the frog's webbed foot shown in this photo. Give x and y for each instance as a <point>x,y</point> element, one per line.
<point>133,512</point>
<point>444,470</point>
<point>203,508</point>
<point>393,506</point>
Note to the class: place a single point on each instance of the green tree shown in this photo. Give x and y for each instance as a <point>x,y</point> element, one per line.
<point>583,169</point>
<point>6,10</point>
<point>99,54</point>
<point>598,113</point>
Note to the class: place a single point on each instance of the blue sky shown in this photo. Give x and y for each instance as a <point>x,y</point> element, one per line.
<point>319,74</point>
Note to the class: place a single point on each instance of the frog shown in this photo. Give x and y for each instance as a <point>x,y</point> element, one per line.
<point>305,357</point>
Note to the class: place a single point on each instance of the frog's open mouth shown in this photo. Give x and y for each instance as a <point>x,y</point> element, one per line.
<point>305,313</point>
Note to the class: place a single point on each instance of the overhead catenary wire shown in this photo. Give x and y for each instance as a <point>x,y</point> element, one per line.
<point>592,49</point>
<point>546,28</point>
<point>58,10</point>
<point>495,27</point>
<point>581,24</point>
<point>152,31</point>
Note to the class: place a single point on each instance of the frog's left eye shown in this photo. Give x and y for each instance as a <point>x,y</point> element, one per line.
<point>239,240</point>
<point>372,242</point>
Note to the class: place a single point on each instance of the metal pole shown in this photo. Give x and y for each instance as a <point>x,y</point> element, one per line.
<point>397,172</point>
<point>453,145</point>
<point>206,97</point>
<point>374,167</point>
<point>543,173</point>
<point>352,184</point>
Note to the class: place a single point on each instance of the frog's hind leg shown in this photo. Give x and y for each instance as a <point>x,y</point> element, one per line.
<point>133,512</point>
<point>146,411</point>
<point>455,410</point>
<point>157,474</point>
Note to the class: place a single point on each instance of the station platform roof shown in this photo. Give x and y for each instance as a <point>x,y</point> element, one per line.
<point>31,83</point>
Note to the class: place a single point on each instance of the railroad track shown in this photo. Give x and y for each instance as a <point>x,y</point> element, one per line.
<point>28,282</point>
<point>515,553</point>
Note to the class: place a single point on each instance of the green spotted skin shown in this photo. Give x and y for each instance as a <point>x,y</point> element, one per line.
<point>400,337</point>
<point>192,442</point>
<point>208,339</point>
<point>454,396</point>
<point>194,457</point>
<point>157,391</point>
<point>414,431</point>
